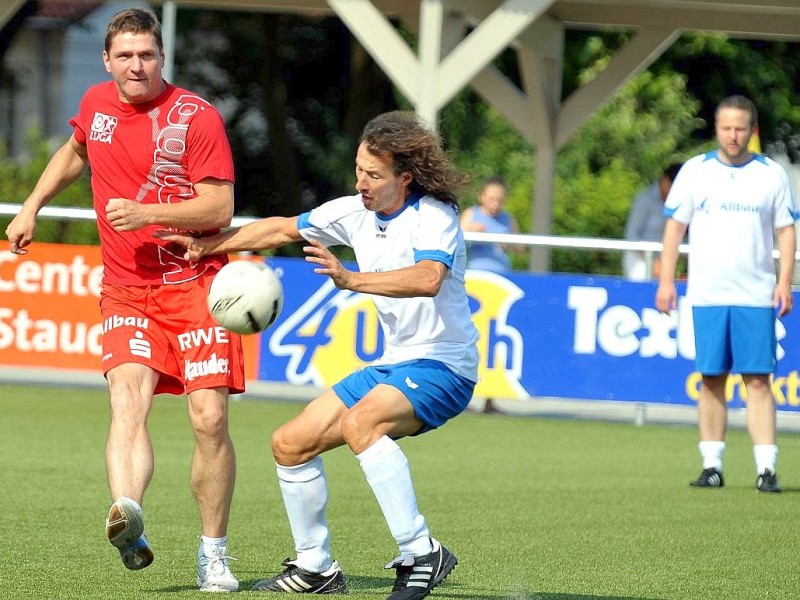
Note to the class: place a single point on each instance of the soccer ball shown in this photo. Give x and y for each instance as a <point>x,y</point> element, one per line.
<point>245,296</point>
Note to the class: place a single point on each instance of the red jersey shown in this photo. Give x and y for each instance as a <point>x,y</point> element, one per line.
<point>152,152</point>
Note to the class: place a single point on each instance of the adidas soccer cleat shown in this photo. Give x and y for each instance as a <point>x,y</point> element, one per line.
<point>418,575</point>
<point>213,571</point>
<point>768,482</point>
<point>709,478</point>
<point>125,531</point>
<point>296,580</point>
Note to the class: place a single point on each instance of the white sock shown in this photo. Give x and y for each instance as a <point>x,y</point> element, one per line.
<point>766,457</point>
<point>389,476</point>
<point>712,454</point>
<point>305,495</point>
<point>211,544</point>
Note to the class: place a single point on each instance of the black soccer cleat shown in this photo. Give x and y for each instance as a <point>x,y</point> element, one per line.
<point>418,575</point>
<point>296,580</point>
<point>768,482</point>
<point>709,478</point>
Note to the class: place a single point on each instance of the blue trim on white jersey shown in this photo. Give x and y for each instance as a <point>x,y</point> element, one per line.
<point>412,201</point>
<point>303,221</point>
<point>714,155</point>
<point>436,328</point>
<point>394,215</point>
<point>732,212</point>
<point>437,255</point>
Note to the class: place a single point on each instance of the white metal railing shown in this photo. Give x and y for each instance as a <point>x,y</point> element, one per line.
<point>547,241</point>
<point>88,214</point>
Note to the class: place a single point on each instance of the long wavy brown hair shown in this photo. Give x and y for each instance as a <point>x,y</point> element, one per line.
<point>416,149</point>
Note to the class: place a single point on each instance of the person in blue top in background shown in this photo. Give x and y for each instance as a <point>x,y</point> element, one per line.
<point>489,216</point>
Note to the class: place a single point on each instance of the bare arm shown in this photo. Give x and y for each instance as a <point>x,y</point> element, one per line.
<point>64,167</point>
<point>787,244</point>
<point>466,222</point>
<point>212,207</point>
<point>666,294</point>
<point>421,279</point>
<point>265,234</point>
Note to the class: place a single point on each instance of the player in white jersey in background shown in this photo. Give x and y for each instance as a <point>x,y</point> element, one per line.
<point>403,226</point>
<point>732,200</point>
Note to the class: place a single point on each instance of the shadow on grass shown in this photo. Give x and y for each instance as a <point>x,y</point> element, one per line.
<point>472,594</point>
<point>453,593</point>
<point>380,587</point>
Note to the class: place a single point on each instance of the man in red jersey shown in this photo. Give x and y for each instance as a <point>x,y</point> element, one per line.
<point>159,158</point>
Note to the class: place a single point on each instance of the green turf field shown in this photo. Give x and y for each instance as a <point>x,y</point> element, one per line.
<point>533,508</point>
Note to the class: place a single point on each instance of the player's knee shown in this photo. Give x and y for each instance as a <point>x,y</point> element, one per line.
<point>283,448</point>
<point>351,424</point>
<point>210,423</point>
<point>127,406</point>
<point>358,431</point>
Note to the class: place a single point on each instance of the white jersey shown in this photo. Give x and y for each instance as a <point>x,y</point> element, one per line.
<point>438,328</point>
<point>731,212</point>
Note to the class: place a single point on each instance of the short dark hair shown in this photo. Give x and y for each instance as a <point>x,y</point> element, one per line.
<point>671,172</point>
<point>134,20</point>
<point>742,103</point>
<point>494,180</point>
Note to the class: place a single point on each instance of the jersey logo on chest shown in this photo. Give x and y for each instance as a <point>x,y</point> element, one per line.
<point>102,128</point>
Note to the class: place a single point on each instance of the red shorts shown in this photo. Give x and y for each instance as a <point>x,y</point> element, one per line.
<point>169,329</point>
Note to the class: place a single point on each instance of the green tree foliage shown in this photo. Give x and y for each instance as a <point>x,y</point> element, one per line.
<point>620,149</point>
<point>646,125</point>
<point>483,144</point>
<point>18,178</point>
<point>716,66</point>
<point>296,91</point>
<point>592,204</point>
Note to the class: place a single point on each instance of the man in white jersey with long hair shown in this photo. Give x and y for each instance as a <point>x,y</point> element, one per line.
<point>734,200</point>
<point>403,226</point>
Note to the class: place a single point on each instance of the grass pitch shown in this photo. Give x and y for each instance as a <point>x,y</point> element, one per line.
<point>534,508</point>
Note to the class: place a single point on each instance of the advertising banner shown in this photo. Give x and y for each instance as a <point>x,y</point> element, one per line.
<point>563,336</point>
<point>49,308</point>
<point>541,335</point>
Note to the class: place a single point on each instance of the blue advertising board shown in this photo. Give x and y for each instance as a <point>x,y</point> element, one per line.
<point>541,335</point>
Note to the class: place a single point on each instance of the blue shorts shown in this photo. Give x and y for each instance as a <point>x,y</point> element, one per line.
<point>736,339</point>
<point>436,393</point>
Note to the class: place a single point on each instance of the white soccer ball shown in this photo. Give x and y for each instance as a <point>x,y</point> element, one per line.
<point>245,296</point>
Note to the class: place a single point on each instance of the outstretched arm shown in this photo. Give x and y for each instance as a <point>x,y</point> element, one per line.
<point>272,232</point>
<point>64,167</point>
<point>422,279</point>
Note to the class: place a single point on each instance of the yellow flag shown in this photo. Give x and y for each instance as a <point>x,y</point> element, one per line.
<point>754,145</point>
